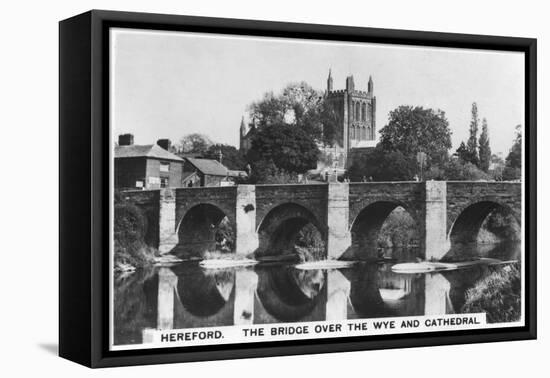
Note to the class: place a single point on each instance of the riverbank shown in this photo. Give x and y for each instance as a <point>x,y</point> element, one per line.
<point>497,294</point>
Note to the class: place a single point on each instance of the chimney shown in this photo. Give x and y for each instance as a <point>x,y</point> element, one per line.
<point>125,139</point>
<point>164,143</point>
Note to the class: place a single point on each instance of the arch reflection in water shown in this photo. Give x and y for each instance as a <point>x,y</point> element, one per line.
<point>376,291</point>
<point>285,294</point>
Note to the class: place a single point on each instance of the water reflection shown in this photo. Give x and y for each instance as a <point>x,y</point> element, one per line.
<point>187,296</point>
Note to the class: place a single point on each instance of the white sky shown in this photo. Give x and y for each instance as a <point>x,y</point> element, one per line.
<point>169,84</point>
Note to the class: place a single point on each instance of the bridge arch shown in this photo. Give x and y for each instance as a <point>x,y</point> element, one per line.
<point>465,227</point>
<point>366,226</point>
<point>205,227</point>
<point>279,229</point>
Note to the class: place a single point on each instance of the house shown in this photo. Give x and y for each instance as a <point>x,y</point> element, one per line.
<point>207,172</point>
<point>149,166</point>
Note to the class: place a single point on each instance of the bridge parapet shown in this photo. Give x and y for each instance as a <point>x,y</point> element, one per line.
<point>333,208</point>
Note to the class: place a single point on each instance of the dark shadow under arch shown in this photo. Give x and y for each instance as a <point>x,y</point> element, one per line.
<point>367,225</point>
<point>466,227</point>
<point>204,228</point>
<point>279,229</point>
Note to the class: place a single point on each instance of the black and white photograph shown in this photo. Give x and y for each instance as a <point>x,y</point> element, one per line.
<point>267,189</point>
<point>282,188</point>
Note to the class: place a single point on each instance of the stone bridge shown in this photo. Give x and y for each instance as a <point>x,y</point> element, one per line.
<point>347,215</point>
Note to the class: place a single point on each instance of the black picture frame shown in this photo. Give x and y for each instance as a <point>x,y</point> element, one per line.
<point>84,193</point>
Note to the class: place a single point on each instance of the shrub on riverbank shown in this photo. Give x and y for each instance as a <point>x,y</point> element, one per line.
<point>309,244</point>
<point>398,230</point>
<point>130,249</point>
<point>498,294</point>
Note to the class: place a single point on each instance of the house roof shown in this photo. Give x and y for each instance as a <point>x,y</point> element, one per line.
<point>149,150</point>
<point>236,173</point>
<point>208,166</point>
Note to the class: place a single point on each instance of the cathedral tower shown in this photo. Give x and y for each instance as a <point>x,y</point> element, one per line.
<point>356,114</point>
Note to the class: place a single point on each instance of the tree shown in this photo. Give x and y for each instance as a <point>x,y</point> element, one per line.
<point>484,148</point>
<point>456,169</point>
<point>266,172</point>
<point>514,156</point>
<point>512,168</point>
<point>330,125</point>
<point>194,144</point>
<point>462,152</point>
<point>471,145</point>
<point>498,167</point>
<point>231,157</point>
<point>382,165</point>
<point>411,130</point>
<point>289,147</point>
<point>298,105</point>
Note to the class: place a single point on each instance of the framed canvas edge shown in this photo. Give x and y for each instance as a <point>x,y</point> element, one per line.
<point>100,21</point>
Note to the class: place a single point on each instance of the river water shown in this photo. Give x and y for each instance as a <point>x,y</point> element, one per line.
<point>188,296</point>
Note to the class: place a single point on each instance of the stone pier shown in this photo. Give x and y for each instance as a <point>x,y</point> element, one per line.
<point>167,286</point>
<point>338,233</point>
<point>168,237</point>
<point>338,288</point>
<point>437,290</point>
<point>245,214</point>
<point>435,220</point>
<point>246,282</point>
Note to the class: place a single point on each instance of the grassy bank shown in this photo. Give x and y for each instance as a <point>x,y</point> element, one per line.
<point>498,294</point>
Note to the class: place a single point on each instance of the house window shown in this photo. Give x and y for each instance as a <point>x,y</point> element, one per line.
<point>164,182</point>
<point>139,184</point>
<point>164,166</point>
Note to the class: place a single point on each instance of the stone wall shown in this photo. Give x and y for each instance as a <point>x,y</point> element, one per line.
<point>311,197</point>
<point>224,198</point>
<point>409,195</point>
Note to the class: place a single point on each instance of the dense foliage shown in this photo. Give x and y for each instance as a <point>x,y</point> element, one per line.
<point>498,294</point>
<point>286,146</point>
<point>471,145</point>
<point>297,105</point>
<point>484,148</point>
<point>194,143</point>
<point>231,157</point>
<point>512,169</point>
<point>382,165</point>
<point>130,249</point>
<point>399,230</point>
<point>414,129</point>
